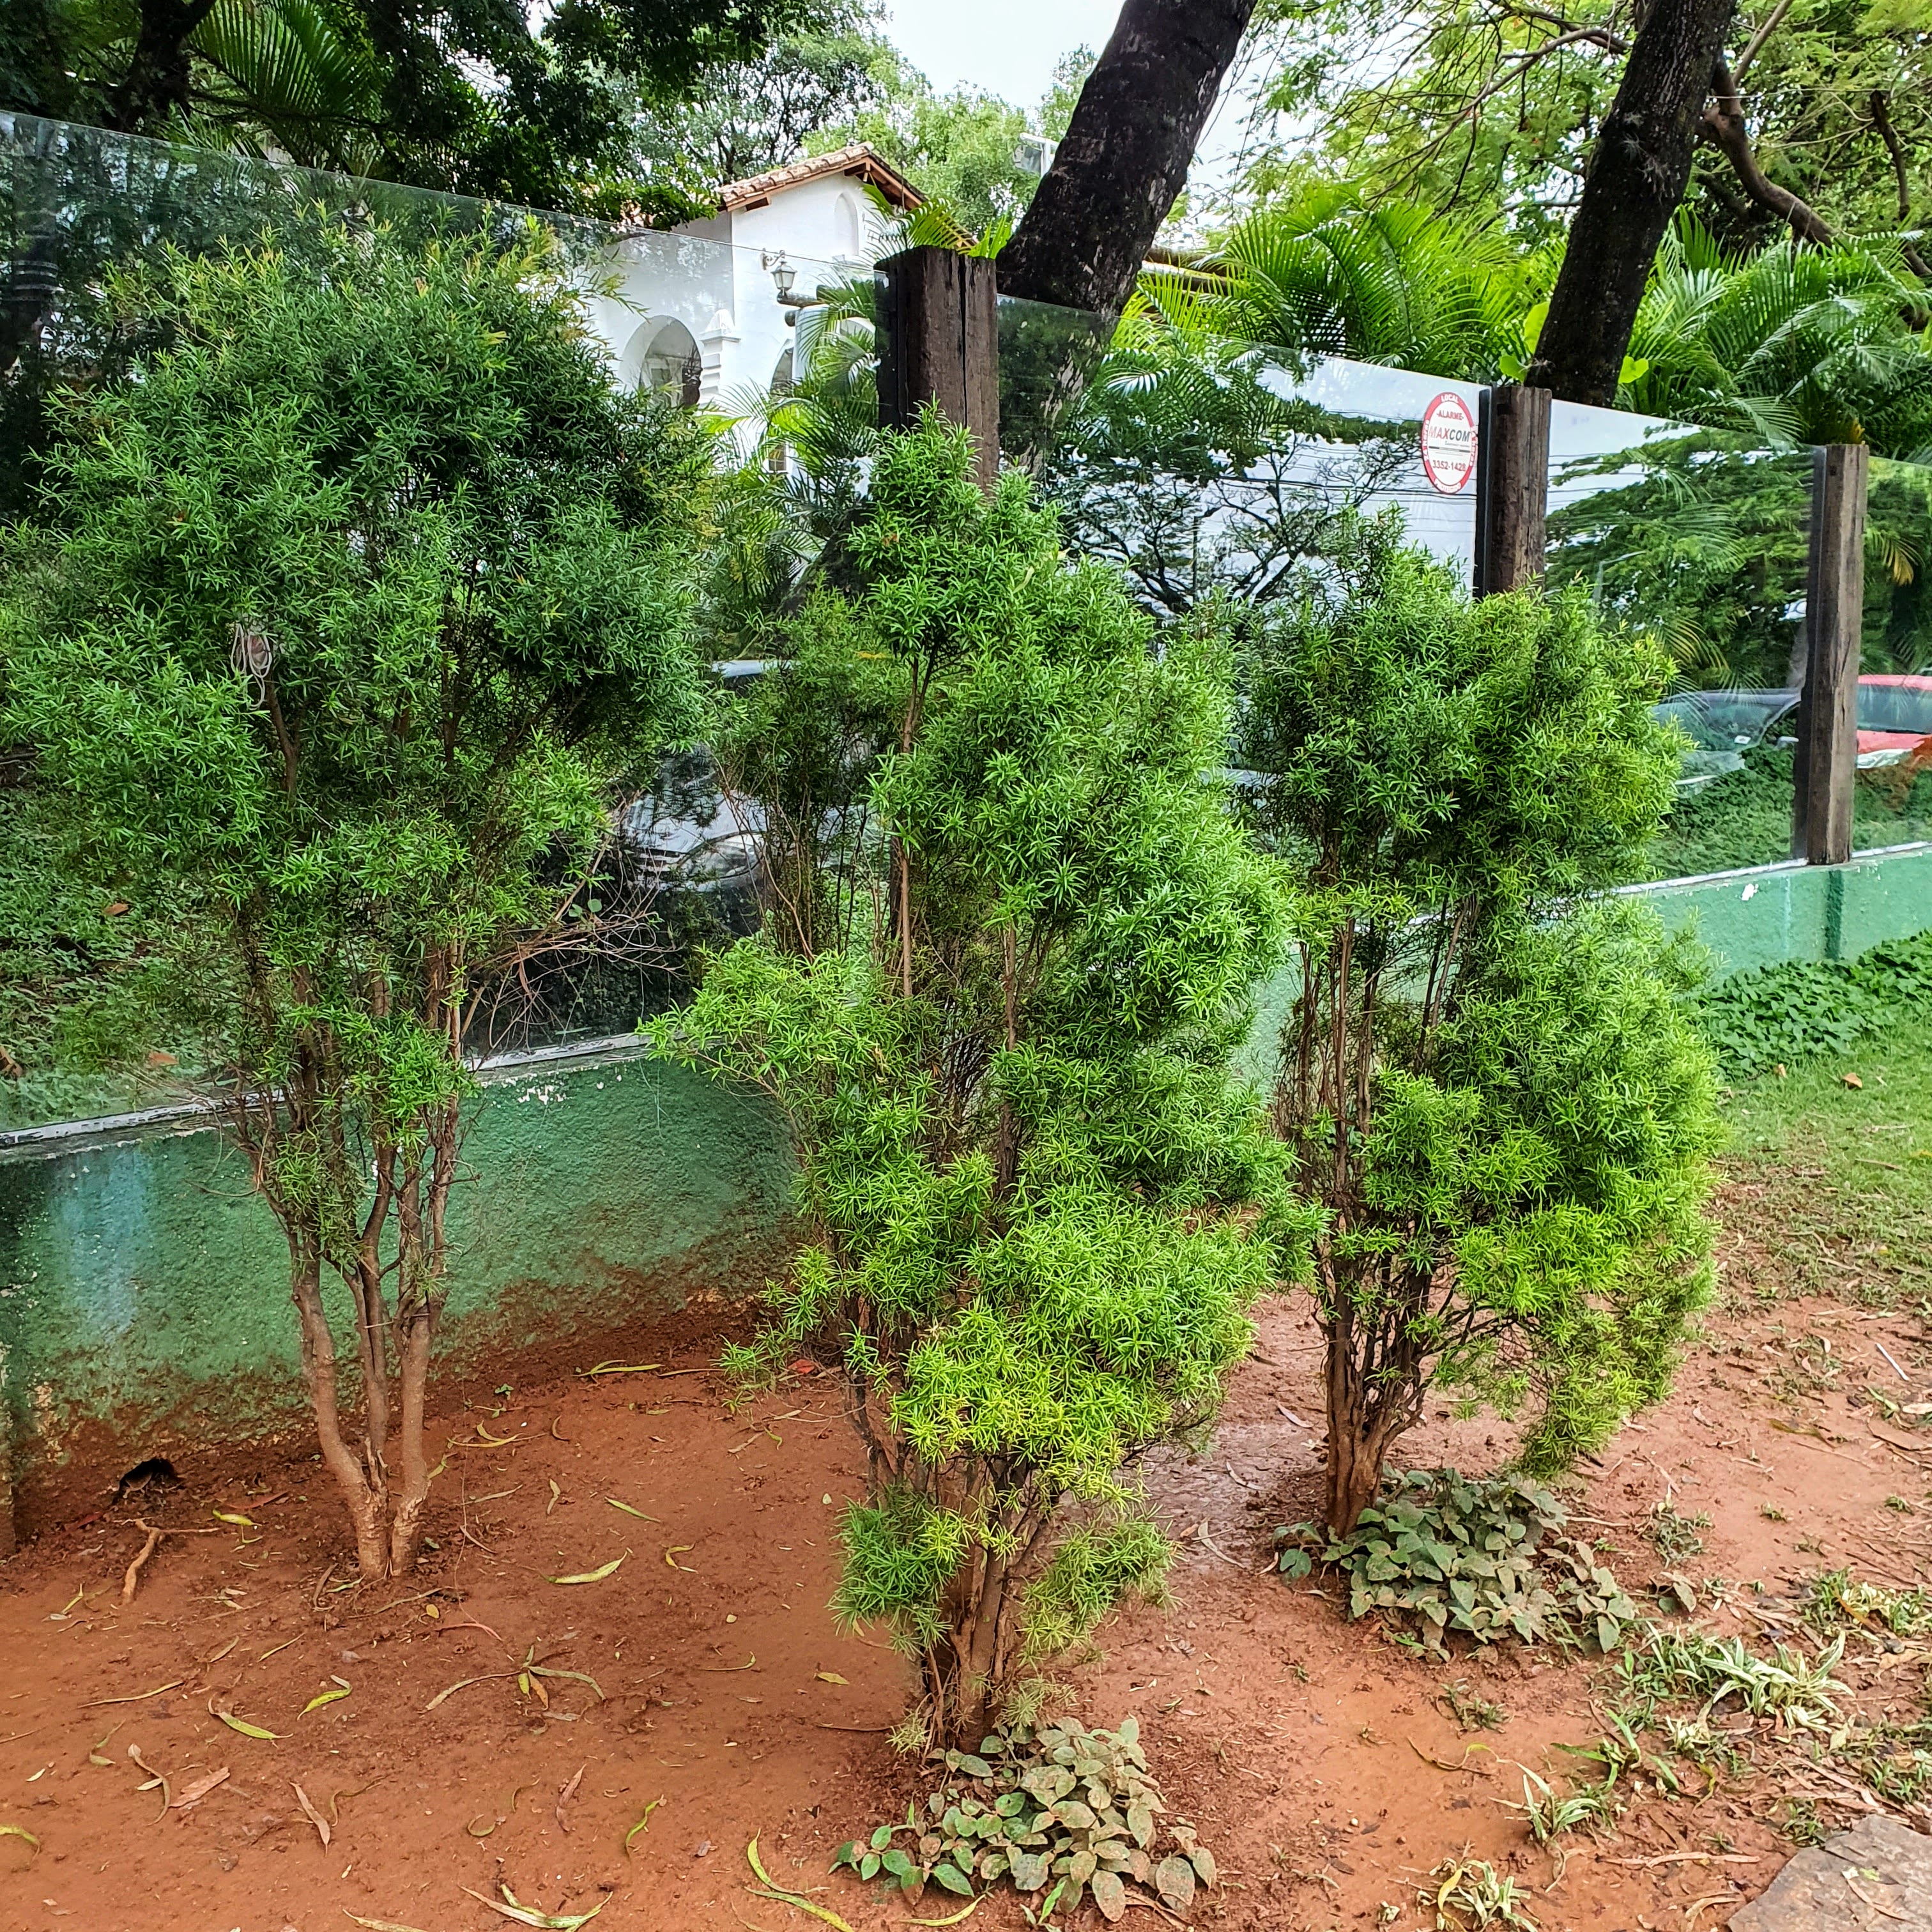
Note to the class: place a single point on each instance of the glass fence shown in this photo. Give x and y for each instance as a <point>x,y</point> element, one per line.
<point>1202,466</point>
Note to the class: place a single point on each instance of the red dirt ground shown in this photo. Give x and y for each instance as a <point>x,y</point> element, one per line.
<point>1310,1752</point>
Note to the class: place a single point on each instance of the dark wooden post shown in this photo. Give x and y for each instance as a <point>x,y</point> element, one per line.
<point>1827,758</point>
<point>1512,487</point>
<point>938,335</point>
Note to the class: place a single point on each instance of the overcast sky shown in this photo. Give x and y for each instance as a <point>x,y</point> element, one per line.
<point>1009,47</point>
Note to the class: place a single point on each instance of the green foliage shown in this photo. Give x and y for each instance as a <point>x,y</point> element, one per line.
<point>1785,1014</point>
<point>1467,1894</point>
<point>343,616</point>
<point>1447,1555</point>
<point>1061,1810</point>
<point>1497,1112</point>
<point>1002,1041</point>
<point>1838,1601</point>
<point>1799,1690</point>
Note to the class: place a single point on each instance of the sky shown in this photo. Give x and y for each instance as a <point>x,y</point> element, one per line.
<point>1008,47</point>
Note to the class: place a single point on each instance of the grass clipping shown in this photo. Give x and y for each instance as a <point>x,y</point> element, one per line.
<point>1442,1554</point>
<point>1059,1811</point>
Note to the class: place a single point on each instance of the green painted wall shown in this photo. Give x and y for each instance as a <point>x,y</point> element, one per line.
<point>143,1290</point>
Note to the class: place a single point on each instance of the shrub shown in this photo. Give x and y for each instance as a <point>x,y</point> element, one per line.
<point>1496,1110</point>
<point>340,617</point>
<point>1002,1040</point>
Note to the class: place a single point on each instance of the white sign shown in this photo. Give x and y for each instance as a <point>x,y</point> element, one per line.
<point>1448,443</point>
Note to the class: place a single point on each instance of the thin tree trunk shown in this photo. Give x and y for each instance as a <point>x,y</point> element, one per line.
<point>156,85</point>
<point>1636,178</point>
<point>406,1528</point>
<point>361,1482</point>
<point>1126,154</point>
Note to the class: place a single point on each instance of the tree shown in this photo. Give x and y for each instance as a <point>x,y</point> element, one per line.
<point>479,97</point>
<point>1495,1104</point>
<point>347,611</point>
<point>1125,155</point>
<point>1028,1174</point>
<point>1634,180</point>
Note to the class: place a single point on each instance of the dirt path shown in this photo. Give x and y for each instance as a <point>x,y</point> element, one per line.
<point>1314,1754</point>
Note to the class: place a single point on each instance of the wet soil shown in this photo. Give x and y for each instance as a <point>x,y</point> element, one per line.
<point>1318,1757</point>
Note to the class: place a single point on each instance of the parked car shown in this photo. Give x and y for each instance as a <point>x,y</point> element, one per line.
<point>1895,722</point>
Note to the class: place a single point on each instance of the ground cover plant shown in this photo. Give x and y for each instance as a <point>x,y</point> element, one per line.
<point>1806,1010</point>
<point>1055,1811</point>
<point>1496,1109</point>
<point>1039,1205</point>
<point>1448,1556</point>
<point>344,614</point>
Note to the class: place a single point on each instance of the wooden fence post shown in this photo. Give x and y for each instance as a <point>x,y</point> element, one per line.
<point>1512,487</point>
<point>938,336</point>
<point>1827,757</point>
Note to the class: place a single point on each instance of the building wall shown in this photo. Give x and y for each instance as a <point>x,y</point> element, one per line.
<point>143,1290</point>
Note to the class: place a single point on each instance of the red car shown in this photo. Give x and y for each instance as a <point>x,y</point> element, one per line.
<point>1895,717</point>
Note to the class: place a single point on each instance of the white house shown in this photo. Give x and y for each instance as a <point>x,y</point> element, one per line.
<point>702,309</point>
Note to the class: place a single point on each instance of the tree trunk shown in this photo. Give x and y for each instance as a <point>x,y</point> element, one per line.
<point>1126,154</point>
<point>361,1481</point>
<point>155,87</point>
<point>1361,1432</point>
<point>1635,179</point>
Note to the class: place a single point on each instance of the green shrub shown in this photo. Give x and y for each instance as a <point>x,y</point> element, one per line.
<point>343,614</point>
<point>1001,1033</point>
<point>1497,1112</point>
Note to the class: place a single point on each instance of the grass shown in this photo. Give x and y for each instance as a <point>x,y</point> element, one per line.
<point>1827,1188</point>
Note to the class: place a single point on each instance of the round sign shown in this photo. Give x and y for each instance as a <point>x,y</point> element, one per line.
<point>1448,443</point>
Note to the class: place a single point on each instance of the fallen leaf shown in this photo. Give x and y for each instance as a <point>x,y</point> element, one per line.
<point>590,1575</point>
<point>247,1729</point>
<point>965,1912</point>
<point>230,1516</point>
<point>804,1368</point>
<point>564,1797</point>
<point>1852,1080</point>
<point>619,1369</point>
<point>642,1824</point>
<point>629,1510</point>
<point>19,1832</point>
<point>792,1898</point>
<point>313,1816</point>
<point>833,1677</point>
<point>463,1684</point>
<point>556,1496</point>
<point>139,1697</point>
<point>749,1663</point>
<point>671,1556</point>
<point>192,1795</point>
<point>327,1697</point>
<point>493,1441</point>
<point>378,1925</point>
<point>548,1922</point>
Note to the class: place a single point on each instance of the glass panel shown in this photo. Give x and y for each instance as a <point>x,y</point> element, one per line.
<point>1894,799</point>
<point>1201,465</point>
<point>685,317</point>
<point>1698,539</point>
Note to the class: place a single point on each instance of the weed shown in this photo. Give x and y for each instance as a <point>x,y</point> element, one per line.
<point>1687,1664</point>
<point>1769,1514</point>
<point>1588,1808</point>
<point>1466,1893</point>
<point>1802,1824</point>
<point>1487,1559</point>
<point>1471,1711</point>
<point>1837,1600</point>
<point>1061,1810</point>
<point>1676,1536</point>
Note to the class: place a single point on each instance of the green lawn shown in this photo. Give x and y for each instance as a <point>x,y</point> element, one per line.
<point>1828,1187</point>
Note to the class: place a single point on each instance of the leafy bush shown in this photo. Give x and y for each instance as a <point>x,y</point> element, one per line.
<point>1061,1810</point>
<point>346,608</point>
<point>1448,1554</point>
<point>1498,1115</point>
<point>1802,1009</point>
<point>1001,1033</point>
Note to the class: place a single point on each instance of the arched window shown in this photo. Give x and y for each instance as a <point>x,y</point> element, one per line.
<point>662,355</point>
<point>846,229</point>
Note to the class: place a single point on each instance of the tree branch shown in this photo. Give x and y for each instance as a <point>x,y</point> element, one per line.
<point>1722,127</point>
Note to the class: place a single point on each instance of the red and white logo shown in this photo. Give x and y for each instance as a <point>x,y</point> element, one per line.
<point>1448,443</point>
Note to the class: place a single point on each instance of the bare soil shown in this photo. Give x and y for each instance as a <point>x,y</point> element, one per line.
<point>1317,1757</point>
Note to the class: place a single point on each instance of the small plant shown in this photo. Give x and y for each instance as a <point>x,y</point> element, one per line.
<point>1057,1811</point>
<point>1588,1808</point>
<point>1486,1559</point>
<point>1467,1894</point>
<point>1676,1536</point>
<point>1802,1825</point>
<point>1838,1599</point>
<point>1680,1664</point>
<point>1769,1514</point>
<point>1471,1711</point>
